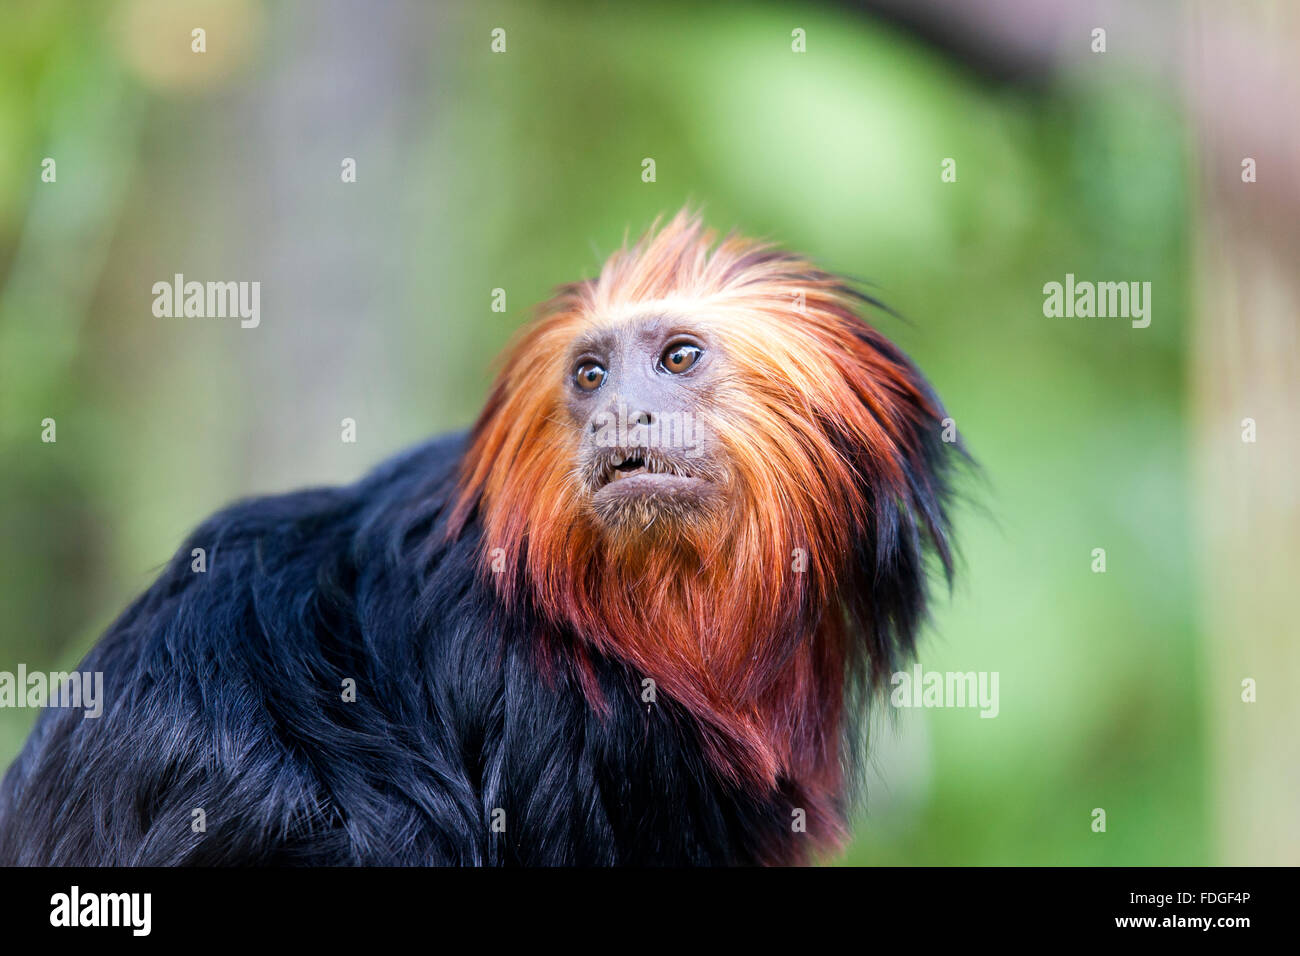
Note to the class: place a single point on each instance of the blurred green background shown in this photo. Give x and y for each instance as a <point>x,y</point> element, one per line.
<point>522,170</point>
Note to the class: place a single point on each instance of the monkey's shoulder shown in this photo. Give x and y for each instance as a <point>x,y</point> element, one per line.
<point>270,677</point>
<point>274,567</point>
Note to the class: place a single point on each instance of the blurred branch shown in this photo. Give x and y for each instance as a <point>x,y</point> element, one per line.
<point>1246,364</point>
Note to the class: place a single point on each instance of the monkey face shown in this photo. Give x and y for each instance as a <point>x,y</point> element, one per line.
<point>639,395</point>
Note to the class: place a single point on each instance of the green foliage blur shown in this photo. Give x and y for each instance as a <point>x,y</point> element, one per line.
<point>523,170</point>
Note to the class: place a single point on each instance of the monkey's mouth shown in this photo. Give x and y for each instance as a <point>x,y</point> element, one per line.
<point>647,476</point>
<point>627,467</point>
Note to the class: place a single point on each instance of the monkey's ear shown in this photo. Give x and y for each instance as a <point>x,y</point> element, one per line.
<point>907,494</point>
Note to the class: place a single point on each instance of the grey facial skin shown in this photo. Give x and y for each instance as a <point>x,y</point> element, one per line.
<point>645,458</point>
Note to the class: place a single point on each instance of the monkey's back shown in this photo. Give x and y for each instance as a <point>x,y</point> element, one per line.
<point>340,686</point>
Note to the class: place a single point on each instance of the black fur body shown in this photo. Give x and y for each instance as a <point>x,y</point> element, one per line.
<point>224,691</point>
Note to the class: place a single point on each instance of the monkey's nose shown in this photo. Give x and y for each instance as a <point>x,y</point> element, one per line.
<point>611,418</point>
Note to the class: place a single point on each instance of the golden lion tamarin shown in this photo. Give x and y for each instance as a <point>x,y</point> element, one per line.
<point>631,618</point>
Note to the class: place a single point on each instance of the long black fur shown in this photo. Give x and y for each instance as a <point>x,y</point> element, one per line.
<point>224,692</point>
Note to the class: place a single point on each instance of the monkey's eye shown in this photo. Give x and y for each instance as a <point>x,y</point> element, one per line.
<point>589,376</point>
<point>679,357</point>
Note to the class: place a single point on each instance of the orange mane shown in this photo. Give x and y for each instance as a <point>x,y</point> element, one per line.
<point>763,618</point>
